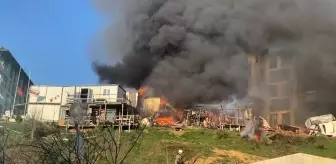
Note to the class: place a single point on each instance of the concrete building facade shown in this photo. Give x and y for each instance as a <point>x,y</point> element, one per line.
<point>273,81</point>
<point>11,75</point>
<point>289,87</point>
<point>51,103</point>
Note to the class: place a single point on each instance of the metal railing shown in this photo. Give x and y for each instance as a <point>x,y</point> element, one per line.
<point>98,98</point>
<point>88,120</point>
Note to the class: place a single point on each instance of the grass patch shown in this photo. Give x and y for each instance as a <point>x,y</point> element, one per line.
<point>200,142</point>
<point>157,145</point>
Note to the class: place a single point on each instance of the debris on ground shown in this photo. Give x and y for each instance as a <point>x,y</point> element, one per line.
<point>322,125</point>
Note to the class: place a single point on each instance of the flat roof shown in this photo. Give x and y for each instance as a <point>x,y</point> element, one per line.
<point>89,85</point>
<point>16,62</point>
<point>127,89</point>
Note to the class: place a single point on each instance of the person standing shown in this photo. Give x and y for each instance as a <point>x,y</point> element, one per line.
<point>178,159</point>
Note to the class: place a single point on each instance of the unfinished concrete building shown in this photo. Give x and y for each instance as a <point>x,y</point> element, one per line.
<point>286,89</point>
<point>272,81</point>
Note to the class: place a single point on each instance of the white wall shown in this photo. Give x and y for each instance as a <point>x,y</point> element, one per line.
<point>108,92</point>
<point>44,112</point>
<point>47,94</point>
<point>46,106</point>
<point>133,97</point>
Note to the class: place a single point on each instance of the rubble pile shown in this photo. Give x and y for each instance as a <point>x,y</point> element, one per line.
<point>231,116</point>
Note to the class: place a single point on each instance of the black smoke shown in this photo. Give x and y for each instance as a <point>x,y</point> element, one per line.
<point>195,51</point>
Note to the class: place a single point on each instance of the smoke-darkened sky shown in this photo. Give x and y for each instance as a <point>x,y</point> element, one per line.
<point>196,50</point>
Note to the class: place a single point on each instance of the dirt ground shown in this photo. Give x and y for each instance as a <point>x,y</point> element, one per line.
<point>178,133</point>
<point>229,156</point>
<point>223,156</point>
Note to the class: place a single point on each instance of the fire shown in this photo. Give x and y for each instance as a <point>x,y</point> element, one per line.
<point>256,138</point>
<point>165,120</point>
<point>163,101</point>
<point>142,90</point>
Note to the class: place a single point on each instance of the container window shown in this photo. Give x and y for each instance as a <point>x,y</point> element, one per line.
<point>106,92</point>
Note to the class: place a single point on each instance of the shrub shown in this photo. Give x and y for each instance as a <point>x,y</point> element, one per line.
<point>221,134</point>
<point>18,119</point>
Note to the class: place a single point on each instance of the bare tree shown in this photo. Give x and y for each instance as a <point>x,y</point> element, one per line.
<point>118,146</point>
<point>102,145</point>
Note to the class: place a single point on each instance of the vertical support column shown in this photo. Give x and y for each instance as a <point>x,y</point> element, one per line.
<point>105,114</point>
<point>128,120</point>
<point>99,114</point>
<point>267,105</point>
<point>253,74</point>
<point>294,93</point>
<point>279,118</point>
<point>122,116</point>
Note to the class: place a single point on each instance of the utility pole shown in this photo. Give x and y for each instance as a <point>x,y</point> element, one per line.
<point>79,143</point>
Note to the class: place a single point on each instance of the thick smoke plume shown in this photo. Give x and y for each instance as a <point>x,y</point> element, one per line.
<point>195,51</point>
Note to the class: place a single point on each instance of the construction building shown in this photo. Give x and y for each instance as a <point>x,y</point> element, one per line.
<point>272,83</point>
<point>286,88</point>
<point>14,83</point>
<point>105,104</point>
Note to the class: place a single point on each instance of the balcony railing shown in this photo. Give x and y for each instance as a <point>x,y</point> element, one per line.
<point>98,98</point>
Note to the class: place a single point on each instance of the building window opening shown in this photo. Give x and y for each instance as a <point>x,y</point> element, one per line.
<point>273,90</point>
<point>280,104</point>
<point>280,75</point>
<point>106,92</point>
<point>287,89</point>
<point>286,61</point>
<point>286,118</point>
<point>274,120</point>
<point>273,62</point>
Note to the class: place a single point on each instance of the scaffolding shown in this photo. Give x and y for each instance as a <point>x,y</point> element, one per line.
<point>236,120</point>
<point>101,110</point>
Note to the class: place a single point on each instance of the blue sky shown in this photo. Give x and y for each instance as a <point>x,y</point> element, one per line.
<point>51,38</point>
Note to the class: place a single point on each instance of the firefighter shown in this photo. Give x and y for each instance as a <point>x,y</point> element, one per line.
<point>178,159</point>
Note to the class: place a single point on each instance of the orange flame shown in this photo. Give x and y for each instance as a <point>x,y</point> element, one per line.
<point>142,90</point>
<point>165,121</point>
<point>163,101</point>
<point>256,137</point>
